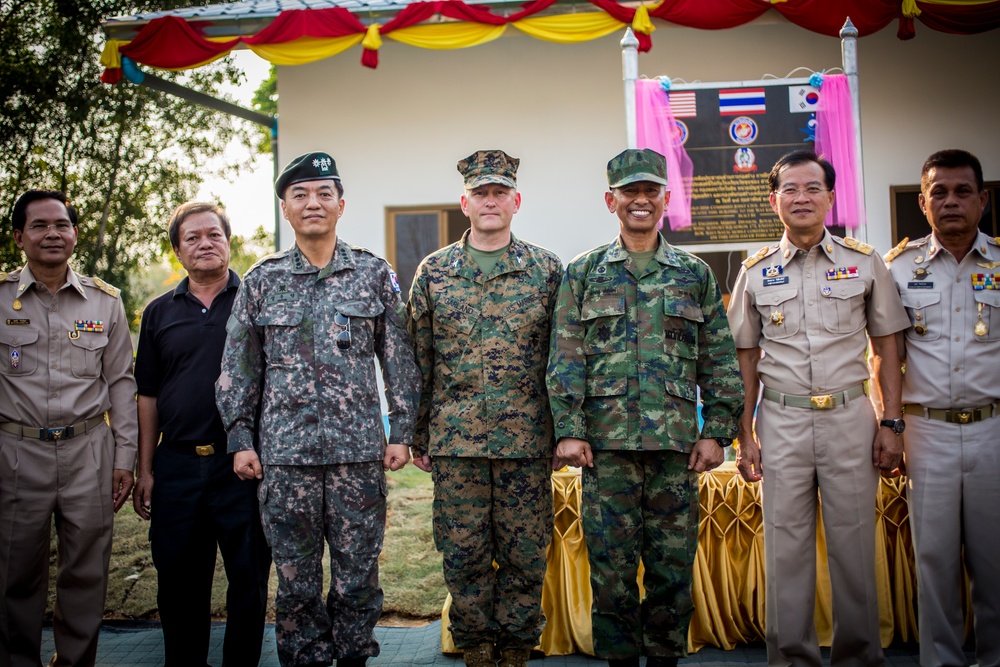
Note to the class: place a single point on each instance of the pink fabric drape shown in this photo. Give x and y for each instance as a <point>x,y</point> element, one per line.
<point>835,133</point>
<point>655,129</point>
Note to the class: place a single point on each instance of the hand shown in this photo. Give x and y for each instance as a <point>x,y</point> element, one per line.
<point>557,463</point>
<point>142,495</point>
<point>887,450</point>
<point>246,465</point>
<point>121,486</point>
<point>396,456</point>
<point>706,455</point>
<point>748,458</point>
<point>574,452</point>
<point>422,462</point>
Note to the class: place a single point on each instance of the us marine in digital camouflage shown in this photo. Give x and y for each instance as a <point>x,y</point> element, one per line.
<point>639,329</point>
<point>480,315</point>
<point>298,379</point>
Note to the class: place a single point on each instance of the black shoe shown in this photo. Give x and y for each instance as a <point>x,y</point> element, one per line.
<point>624,662</point>
<point>655,661</point>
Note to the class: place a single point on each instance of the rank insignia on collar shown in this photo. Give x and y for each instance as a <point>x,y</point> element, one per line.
<point>772,271</point>
<point>842,273</point>
<point>90,326</point>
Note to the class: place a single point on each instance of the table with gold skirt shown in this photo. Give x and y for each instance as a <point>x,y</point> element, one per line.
<point>728,569</point>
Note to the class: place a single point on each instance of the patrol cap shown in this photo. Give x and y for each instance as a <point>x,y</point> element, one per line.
<point>308,167</point>
<point>491,166</point>
<point>634,165</point>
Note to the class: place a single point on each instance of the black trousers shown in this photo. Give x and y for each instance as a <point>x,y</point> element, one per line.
<point>199,505</point>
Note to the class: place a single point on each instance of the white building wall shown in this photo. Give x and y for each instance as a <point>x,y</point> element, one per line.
<point>396,132</point>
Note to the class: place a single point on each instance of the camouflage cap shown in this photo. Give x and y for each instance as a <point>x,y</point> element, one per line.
<point>308,167</point>
<point>489,167</point>
<point>634,165</point>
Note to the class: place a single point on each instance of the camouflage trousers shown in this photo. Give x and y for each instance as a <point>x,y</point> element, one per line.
<point>490,511</point>
<point>300,507</point>
<point>640,504</point>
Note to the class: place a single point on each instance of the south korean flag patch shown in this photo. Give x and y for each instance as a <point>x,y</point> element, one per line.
<point>395,282</point>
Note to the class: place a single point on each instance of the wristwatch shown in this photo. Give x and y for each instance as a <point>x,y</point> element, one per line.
<point>897,425</point>
<point>724,442</point>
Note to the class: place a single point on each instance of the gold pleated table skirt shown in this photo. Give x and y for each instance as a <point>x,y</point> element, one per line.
<point>728,569</point>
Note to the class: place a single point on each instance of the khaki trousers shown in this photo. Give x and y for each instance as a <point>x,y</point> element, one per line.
<point>803,452</point>
<point>70,480</point>
<point>953,494</point>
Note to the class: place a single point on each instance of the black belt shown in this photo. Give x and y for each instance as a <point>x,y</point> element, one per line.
<point>54,433</point>
<point>199,447</point>
<point>969,416</point>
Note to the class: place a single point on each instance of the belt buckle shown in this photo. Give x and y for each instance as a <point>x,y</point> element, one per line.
<point>824,402</point>
<point>204,450</point>
<point>962,416</point>
<point>55,433</point>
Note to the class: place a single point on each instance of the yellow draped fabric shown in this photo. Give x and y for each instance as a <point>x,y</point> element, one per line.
<point>305,49</point>
<point>569,28</point>
<point>729,592</point>
<point>447,35</point>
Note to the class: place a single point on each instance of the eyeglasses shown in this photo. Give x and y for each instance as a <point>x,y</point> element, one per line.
<point>813,191</point>
<point>344,337</point>
<point>43,228</point>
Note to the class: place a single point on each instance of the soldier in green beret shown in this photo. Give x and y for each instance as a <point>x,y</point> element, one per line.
<point>480,314</point>
<point>299,400</point>
<point>639,329</point>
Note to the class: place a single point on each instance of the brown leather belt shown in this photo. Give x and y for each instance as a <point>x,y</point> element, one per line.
<point>54,433</point>
<point>969,416</point>
<point>822,402</point>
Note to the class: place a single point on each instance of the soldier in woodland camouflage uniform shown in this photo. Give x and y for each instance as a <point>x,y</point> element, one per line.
<point>480,316</point>
<point>298,380</point>
<point>639,328</point>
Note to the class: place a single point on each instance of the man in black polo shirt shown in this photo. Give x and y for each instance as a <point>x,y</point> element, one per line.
<point>186,485</point>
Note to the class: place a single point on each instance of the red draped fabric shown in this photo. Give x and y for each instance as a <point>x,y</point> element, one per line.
<point>960,19</point>
<point>710,14</point>
<point>296,23</point>
<point>172,43</point>
<point>827,18</point>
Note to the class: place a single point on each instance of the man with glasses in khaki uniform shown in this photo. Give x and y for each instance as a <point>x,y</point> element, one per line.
<point>67,361</point>
<point>810,303</point>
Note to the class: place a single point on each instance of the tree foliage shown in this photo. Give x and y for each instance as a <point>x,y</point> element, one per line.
<point>123,154</point>
<point>265,100</point>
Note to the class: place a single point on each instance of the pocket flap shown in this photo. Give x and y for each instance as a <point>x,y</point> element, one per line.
<point>920,300</point>
<point>602,385</point>
<point>18,337</point>
<point>361,308</point>
<point>602,303</point>
<point>90,341</point>
<point>685,390</point>
<point>280,315</point>
<point>776,297</point>
<point>987,297</point>
<point>848,289</point>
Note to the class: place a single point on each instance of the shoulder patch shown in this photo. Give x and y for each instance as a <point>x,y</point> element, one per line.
<point>895,252</point>
<point>106,288</point>
<point>759,255</point>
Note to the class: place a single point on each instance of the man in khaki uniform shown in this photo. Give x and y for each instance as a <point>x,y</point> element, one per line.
<point>810,302</point>
<point>950,285</point>
<point>480,314</point>
<point>66,361</point>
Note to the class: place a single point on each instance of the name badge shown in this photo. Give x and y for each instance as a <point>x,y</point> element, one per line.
<point>920,284</point>
<point>771,282</point>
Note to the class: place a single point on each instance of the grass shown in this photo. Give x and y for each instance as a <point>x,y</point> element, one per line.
<point>410,567</point>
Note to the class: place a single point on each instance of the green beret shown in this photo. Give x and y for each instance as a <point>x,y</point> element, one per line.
<point>308,167</point>
<point>634,165</point>
<point>489,167</point>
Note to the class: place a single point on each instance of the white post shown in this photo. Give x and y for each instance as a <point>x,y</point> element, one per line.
<point>849,59</point>
<point>630,73</point>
